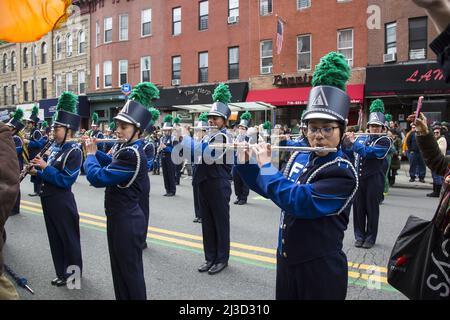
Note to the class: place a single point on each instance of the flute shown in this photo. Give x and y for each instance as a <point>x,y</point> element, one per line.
<point>106,140</point>
<point>273,147</point>
<point>370,134</point>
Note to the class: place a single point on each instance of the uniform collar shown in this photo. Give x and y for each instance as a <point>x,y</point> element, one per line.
<point>329,157</point>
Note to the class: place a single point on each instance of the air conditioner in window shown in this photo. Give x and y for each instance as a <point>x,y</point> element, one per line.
<point>176,82</point>
<point>265,70</point>
<point>417,54</point>
<point>390,57</point>
<point>233,19</point>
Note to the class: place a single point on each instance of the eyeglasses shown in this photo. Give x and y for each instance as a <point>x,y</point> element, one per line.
<point>325,131</point>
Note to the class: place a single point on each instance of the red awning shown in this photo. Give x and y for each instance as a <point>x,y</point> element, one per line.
<point>298,96</point>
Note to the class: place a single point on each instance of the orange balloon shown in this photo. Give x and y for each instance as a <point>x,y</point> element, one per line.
<point>30,20</point>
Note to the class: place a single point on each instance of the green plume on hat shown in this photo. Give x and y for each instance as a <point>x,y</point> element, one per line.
<point>35,110</point>
<point>112,125</point>
<point>144,93</point>
<point>388,117</point>
<point>44,124</point>
<point>377,106</point>
<point>18,114</point>
<point>203,117</point>
<point>155,114</point>
<point>176,120</point>
<point>94,118</point>
<point>168,118</point>
<point>267,125</point>
<point>246,116</point>
<point>67,102</point>
<point>222,93</point>
<point>332,70</point>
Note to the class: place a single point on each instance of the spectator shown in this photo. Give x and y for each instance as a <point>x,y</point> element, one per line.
<point>442,142</point>
<point>9,189</point>
<point>395,163</point>
<point>416,164</point>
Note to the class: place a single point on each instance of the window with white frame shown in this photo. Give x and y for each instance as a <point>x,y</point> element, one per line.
<point>81,42</point>
<point>203,67</point>
<point>391,38</point>
<point>345,44</point>
<point>176,68</point>
<point>303,4</point>
<point>146,22</point>
<point>265,7</point>
<point>57,48</point>
<point>107,74</point>
<point>176,21</point>
<point>233,8</point>
<point>266,54</point>
<point>145,69</point>
<point>97,76</point>
<point>203,15</point>
<point>304,52</point>
<point>34,52</point>
<point>123,27</point>
<point>233,63</point>
<point>69,81</point>
<point>58,85</point>
<point>108,30</point>
<point>81,82</point>
<point>69,45</point>
<point>123,72</point>
<point>97,33</point>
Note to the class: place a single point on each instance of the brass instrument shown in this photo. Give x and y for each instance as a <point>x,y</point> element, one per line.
<point>28,167</point>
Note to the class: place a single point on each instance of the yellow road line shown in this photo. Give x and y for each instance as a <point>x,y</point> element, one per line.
<point>37,208</point>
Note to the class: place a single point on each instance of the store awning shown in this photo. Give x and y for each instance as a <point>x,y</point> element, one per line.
<point>234,107</point>
<point>298,96</point>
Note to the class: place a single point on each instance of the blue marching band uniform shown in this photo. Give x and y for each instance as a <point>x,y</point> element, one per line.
<point>212,178</point>
<point>368,153</point>
<point>36,143</point>
<point>167,165</point>
<point>124,174</point>
<point>58,202</point>
<point>240,187</point>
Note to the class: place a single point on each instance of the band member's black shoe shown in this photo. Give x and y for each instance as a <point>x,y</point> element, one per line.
<point>60,283</point>
<point>359,243</point>
<point>54,281</point>
<point>241,202</point>
<point>218,267</point>
<point>368,245</point>
<point>206,266</point>
<point>171,194</point>
<point>33,194</point>
<point>236,202</point>
<point>197,220</point>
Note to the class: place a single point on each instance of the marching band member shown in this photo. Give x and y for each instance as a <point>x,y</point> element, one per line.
<point>314,193</point>
<point>127,188</point>
<point>212,176</point>
<point>165,151</point>
<point>58,175</point>
<point>369,152</point>
<point>109,135</point>
<point>240,187</point>
<point>35,144</point>
<point>177,139</point>
<point>199,135</point>
<point>149,146</point>
<point>16,125</point>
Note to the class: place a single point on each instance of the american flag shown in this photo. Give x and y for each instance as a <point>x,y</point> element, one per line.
<point>280,31</point>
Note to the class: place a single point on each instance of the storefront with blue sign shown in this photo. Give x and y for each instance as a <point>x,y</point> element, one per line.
<point>49,107</point>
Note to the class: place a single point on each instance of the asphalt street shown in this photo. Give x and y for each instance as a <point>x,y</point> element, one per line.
<point>175,247</point>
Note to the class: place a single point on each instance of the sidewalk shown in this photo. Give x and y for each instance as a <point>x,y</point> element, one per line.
<point>402,179</point>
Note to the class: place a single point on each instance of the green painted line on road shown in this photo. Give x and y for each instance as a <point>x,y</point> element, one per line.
<point>355,282</point>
